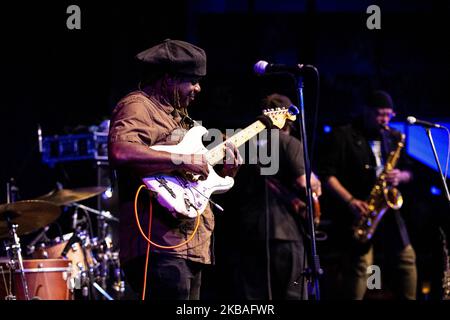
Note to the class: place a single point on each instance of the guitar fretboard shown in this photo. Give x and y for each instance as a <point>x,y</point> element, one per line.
<point>217,153</point>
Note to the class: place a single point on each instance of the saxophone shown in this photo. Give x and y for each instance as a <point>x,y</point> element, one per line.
<point>381,198</point>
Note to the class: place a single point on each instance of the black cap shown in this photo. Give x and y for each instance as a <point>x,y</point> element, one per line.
<point>175,57</point>
<point>276,100</point>
<point>380,99</point>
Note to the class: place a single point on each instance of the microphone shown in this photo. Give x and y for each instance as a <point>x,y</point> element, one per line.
<point>263,67</point>
<point>73,239</point>
<point>426,124</point>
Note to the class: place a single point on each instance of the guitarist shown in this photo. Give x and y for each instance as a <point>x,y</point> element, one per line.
<point>157,114</point>
<point>350,163</point>
<point>268,257</point>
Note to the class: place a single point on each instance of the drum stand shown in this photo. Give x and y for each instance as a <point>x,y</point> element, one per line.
<point>108,257</point>
<point>102,244</point>
<point>13,249</point>
<point>15,255</point>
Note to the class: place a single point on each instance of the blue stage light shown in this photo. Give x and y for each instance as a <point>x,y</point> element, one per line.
<point>435,191</point>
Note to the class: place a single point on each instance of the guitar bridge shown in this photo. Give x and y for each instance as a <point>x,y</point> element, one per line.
<point>163,183</point>
<point>188,204</point>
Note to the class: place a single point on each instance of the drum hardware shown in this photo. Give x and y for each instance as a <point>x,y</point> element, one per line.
<point>109,265</point>
<point>102,291</point>
<point>93,275</point>
<point>101,246</point>
<point>98,272</point>
<point>15,254</point>
<point>12,191</point>
<point>94,264</point>
<point>84,284</point>
<point>119,284</point>
<point>7,284</point>
<point>11,194</point>
<point>103,214</point>
<point>39,238</point>
<point>75,221</point>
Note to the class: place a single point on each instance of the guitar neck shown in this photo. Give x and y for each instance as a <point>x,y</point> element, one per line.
<point>217,153</point>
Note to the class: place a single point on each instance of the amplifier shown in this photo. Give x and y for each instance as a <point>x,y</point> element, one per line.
<point>73,147</point>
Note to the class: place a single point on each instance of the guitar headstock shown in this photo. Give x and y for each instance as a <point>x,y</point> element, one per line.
<point>279,116</point>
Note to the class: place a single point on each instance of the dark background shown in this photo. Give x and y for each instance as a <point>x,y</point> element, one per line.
<point>67,80</point>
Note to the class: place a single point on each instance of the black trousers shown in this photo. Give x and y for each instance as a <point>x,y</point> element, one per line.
<point>168,277</point>
<point>287,263</point>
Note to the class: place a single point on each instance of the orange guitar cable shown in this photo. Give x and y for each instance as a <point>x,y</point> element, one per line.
<point>147,238</point>
<point>144,287</point>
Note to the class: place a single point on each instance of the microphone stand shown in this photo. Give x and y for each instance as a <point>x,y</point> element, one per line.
<point>444,182</point>
<point>104,214</point>
<point>315,270</point>
<point>447,195</point>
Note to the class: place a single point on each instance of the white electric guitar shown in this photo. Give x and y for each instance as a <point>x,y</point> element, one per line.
<point>189,197</point>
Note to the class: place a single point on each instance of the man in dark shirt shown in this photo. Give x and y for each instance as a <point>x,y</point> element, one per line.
<point>154,115</point>
<point>267,219</point>
<point>351,161</point>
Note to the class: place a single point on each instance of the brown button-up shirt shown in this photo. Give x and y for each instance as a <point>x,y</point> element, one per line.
<point>140,118</point>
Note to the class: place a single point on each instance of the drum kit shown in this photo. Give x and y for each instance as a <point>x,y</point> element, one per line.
<point>76,265</point>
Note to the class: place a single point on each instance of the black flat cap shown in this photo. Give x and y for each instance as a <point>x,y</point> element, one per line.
<point>379,99</point>
<point>176,57</point>
<point>276,100</point>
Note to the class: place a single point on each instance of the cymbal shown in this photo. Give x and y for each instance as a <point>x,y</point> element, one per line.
<point>30,215</point>
<point>64,197</point>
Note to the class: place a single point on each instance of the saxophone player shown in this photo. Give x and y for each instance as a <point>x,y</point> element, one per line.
<point>349,168</point>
